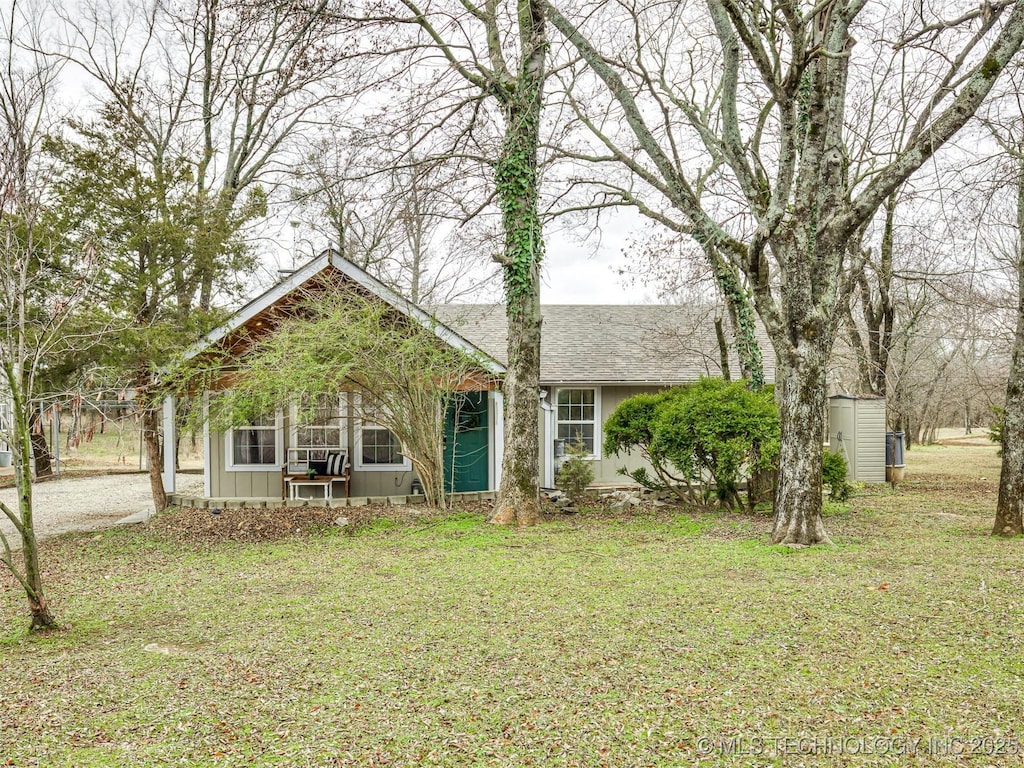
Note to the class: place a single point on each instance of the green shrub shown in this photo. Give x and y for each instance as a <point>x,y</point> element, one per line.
<point>719,430</point>
<point>631,426</point>
<point>712,430</point>
<point>576,473</point>
<point>709,430</point>
<point>833,476</point>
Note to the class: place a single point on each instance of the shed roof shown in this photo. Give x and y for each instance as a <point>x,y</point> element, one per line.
<point>609,344</point>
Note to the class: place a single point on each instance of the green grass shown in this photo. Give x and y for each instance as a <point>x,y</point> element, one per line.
<point>587,641</point>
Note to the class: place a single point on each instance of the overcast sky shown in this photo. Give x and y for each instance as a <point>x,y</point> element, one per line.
<point>573,273</point>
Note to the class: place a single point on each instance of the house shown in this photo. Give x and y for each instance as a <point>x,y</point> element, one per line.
<point>246,461</point>
<point>592,358</point>
<point>595,356</point>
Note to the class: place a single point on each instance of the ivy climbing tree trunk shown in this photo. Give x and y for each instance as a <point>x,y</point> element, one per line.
<point>519,496</point>
<point>744,326</point>
<point>504,26</point>
<point>518,193</point>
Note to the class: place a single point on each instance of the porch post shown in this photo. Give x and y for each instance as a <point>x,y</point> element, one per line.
<point>170,444</point>
<point>207,455</point>
<point>497,409</point>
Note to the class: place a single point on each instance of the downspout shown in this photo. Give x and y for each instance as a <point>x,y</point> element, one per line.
<point>497,437</point>
<point>547,442</point>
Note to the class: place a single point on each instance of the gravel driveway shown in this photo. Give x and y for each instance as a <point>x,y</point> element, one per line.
<point>88,503</point>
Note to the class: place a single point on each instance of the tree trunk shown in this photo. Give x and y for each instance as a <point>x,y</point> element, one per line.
<point>150,423</point>
<point>880,316</point>
<point>441,494</point>
<point>1009,520</point>
<point>517,186</point>
<point>430,467</point>
<point>151,441</point>
<point>519,498</point>
<point>40,449</point>
<point>800,391</point>
<point>723,349</point>
<point>39,606</point>
<point>744,325</point>
<point>22,449</point>
<point>761,487</point>
<point>41,453</point>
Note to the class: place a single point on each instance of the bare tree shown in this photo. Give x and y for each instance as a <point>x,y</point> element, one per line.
<point>1006,124</point>
<point>1008,520</point>
<point>397,215</point>
<point>41,284</point>
<point>495,54</point>
<point>763,89</point>
<point>220,88</point>
<point>674,264</point>
<point>946,362</point>
<point>873,296</point>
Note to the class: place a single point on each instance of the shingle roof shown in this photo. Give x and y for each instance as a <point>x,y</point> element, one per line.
<point>609,344</point>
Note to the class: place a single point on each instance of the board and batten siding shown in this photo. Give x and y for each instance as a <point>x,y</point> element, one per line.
<point>388,483</point>
<point>267,483</point>
<point>241,485</point>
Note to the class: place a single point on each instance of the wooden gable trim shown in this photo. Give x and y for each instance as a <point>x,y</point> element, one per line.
<point>262,314</point>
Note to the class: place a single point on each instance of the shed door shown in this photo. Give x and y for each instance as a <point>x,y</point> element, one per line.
<point>843,431</point>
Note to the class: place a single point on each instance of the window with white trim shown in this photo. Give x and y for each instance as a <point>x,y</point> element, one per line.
<point>578,417</point>
<point>377,447</point>
<point>254,446</point>
<point>318,428</point>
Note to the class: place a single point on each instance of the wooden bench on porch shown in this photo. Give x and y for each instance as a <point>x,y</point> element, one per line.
<point>323,473</point>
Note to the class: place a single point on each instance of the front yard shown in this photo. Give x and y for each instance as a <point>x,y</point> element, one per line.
<point>594,640</point>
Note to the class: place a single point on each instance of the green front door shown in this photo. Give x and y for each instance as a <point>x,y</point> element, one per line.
<point>465,443</point>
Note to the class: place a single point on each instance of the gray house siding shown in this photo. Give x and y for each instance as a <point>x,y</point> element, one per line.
<point>606,468</point>
<point>620,351</point>
<point>267,484</point>
<point>226,483</point>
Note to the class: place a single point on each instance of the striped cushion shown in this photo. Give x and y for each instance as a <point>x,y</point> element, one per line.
<point>335,463</point>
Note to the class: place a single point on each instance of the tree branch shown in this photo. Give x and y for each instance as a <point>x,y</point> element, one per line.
<point>927,142</point>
